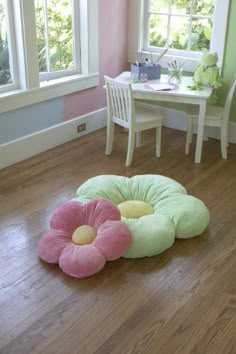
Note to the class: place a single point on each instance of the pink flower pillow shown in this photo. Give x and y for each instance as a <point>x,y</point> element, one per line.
<point>82,237</point>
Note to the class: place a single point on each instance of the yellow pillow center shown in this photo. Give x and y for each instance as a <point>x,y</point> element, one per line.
<point>84,235</point>
<point>134,209</point>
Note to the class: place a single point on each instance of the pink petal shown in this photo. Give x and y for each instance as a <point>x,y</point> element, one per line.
<point>100,210</point>
<point>68,217</point>
<point>113,239</point>
<point>81,261</point>
<point>51,245</point>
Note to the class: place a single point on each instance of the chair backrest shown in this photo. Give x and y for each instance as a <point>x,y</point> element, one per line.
<point>229,99</point>
<point>120,102</point>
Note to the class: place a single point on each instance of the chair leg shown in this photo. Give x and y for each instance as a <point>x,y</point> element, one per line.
<point>138,140</point>
<point>205,134</point>
<point>158,141</point>
<point>189,135</point>
<point>223,142</point>
<point>130,151</point>
<point>227,136</point>
<point>110,137</point>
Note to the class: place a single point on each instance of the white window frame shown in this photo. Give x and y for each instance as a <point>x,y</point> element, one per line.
<point>137,33</point>
<point>76,48</point>
<point>28,88</point>
<point>12,50</point>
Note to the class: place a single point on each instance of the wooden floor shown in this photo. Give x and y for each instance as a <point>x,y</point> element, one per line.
<point>182,301</point>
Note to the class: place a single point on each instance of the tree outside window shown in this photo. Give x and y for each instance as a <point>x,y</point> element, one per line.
<point>54,38</point>
<point>187,24</point>
<point>5,72</point>
<point>54,34</point>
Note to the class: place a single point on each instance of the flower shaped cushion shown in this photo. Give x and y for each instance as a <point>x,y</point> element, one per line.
<point>83,236</point>
<point>156,208</point>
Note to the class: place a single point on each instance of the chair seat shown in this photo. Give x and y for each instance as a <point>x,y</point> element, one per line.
<point>212,113</point>
<point>143,114</point>
<point>146,118</point>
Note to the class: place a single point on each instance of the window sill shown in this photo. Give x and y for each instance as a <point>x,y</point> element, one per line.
<point>49,89</point>
<point>190,63</point>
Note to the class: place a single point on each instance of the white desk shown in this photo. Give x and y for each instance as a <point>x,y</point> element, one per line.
<point>181,95</point>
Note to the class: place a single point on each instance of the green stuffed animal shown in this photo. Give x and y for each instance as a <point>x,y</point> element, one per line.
<point>207,73</point>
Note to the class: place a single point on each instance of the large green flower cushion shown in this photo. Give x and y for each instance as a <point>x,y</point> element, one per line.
<point>156,208</point>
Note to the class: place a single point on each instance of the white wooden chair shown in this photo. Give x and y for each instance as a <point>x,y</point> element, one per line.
<point>216,116</point>
<point>122,110</point>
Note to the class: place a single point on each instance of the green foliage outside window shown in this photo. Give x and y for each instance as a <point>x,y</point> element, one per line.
<point>59,35</point>
<point>186,32</point>
<point>5,74</point>
<point>60,45</point>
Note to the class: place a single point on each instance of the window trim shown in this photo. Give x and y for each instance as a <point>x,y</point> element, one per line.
<point>45,76</point>
<point>21,98</point>
<point>136,36</point>
<point>29,89</point>
<point>12,51</point>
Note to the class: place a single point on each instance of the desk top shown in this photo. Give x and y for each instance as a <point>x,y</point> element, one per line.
<point>181,90</point>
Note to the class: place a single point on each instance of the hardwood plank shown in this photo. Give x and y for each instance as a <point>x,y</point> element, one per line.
<point>163,323</point>
<point>182,301</point>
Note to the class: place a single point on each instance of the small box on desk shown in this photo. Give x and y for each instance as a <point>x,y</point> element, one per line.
<point>153,71</point>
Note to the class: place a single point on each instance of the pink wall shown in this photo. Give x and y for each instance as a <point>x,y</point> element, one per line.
<point>113,57</point>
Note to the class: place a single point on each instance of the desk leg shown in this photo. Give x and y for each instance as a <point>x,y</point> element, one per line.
<point>200,131</point>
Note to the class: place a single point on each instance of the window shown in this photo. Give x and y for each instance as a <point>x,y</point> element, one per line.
<point>186,27</point>
<point>58,54</point>
<point>48,48</point>
<point>185,24</point>
<point>7,78</point>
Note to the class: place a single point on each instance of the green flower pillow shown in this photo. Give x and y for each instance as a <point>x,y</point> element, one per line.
<point>157,210</point>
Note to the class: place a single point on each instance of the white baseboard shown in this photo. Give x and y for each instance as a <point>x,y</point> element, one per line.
<point>177,120</point>
<point>30,145</point>
<point>33,144</point>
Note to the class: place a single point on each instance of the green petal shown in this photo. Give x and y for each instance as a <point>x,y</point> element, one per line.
<point>188,213</point>
<point>151,235</point>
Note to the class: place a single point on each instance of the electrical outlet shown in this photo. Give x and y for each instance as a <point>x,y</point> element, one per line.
<point>81,128</point>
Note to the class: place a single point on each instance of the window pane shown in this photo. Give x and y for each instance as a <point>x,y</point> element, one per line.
<point>41,36</point>
<point>186,23</point>
<point>54,33</point>
<point>159,6</point>
<point>158,30</point>
<point>203,7</point>
<point>201,34</point>
<point>180,7</point>
<point>179,32</point>
<point>5,71</point>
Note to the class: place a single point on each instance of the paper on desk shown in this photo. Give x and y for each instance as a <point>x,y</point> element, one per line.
<point>161,87</point>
